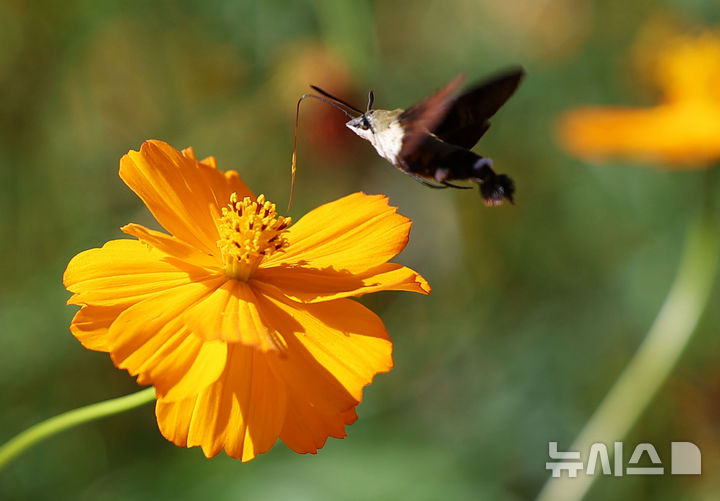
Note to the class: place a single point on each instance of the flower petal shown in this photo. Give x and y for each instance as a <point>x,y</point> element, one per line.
<point>344,339</point>
<point>150,340</point>
<point>312,285</point>
<point>173,246</point>
<point>354,233</point>
<point>307,428</point>
<point>91,326</point>
<point>123,272</point>
<point>231,314</point>
<point>335,348</point>
<point>184,195</point>
<point>242,412</point>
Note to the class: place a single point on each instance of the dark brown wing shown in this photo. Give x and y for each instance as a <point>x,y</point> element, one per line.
<point>425,115</point>
<point>467,116</point>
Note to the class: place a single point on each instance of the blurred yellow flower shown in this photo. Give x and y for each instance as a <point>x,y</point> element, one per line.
<point>682,130</point>
<point>241,321</point>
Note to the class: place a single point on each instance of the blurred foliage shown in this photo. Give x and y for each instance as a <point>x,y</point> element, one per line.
<point>535,309</point>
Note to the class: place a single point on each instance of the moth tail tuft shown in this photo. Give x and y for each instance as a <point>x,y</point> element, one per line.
<point>494,188</point>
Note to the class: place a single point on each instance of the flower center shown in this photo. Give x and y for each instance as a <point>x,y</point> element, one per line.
<point>249,231</point>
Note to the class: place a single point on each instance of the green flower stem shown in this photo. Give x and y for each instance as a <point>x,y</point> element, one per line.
<point>656,356</point>
<point>66,420</point>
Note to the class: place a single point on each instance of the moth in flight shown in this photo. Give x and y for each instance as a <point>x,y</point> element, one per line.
<point>431,140</point>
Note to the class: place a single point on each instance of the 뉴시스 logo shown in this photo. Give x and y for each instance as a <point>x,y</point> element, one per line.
<point>685,459</point>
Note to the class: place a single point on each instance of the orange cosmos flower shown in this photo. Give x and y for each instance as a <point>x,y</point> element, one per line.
<point>241,321</point>
<point>684,129</point>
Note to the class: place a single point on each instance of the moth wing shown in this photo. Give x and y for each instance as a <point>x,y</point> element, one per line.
<point>467,117</point>
<point>424,116</point>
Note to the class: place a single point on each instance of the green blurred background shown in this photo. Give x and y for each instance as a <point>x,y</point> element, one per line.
<point>535,308</point>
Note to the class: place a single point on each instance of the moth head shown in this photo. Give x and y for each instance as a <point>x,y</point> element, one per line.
<point>364,125</point>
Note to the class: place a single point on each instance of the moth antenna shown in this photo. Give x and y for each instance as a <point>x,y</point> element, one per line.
<point>371,100</point>
<point>293,164</point>
<point>336,99</point>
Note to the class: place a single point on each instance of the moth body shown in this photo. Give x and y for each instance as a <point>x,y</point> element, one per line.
<point>384,131</point>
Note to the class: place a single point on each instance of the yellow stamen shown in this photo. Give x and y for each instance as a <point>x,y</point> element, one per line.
<point>249,232</point>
